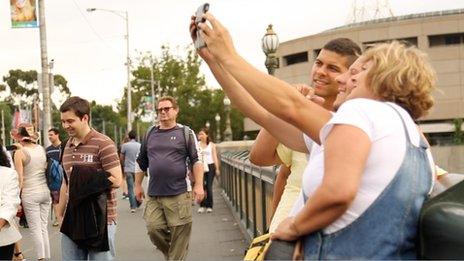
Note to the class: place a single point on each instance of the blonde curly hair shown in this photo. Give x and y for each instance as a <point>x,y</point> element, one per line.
<point>403,75</point>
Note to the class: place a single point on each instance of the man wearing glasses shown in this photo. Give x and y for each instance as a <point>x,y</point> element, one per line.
<point>164,153</point>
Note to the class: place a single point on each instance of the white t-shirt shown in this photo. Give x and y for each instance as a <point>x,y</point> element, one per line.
<point>385,130</point>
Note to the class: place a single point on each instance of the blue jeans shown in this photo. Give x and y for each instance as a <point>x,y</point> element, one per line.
<point>70,251</point>
<point>130,189</point>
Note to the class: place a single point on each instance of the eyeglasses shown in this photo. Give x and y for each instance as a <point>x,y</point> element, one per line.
<point>165,109</point>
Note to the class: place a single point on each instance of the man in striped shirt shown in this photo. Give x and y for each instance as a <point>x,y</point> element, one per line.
<point>88,147</point>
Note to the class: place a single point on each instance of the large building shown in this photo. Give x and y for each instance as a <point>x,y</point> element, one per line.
<point>439,34</point>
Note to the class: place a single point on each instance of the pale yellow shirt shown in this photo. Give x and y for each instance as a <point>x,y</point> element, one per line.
<point>297,162</point>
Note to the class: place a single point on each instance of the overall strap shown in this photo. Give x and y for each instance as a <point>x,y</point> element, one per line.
<point>408,139</point>
<point>422,143</point>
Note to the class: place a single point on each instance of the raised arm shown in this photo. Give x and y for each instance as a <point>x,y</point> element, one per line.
<point>274,95</point>
<point>264,150</point>
<point>284,132</point>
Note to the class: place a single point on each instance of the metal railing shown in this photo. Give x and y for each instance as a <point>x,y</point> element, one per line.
<point>248,190</point>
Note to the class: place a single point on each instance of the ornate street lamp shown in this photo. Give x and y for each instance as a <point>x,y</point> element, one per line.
<point>207,125</point>
<point>218,127</point>
<point>228,131</point>
<point>270,43</point>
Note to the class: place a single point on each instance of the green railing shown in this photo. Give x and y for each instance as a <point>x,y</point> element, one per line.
<point>248,190</point>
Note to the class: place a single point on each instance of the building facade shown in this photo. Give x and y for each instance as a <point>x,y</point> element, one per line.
<point>439,34</point>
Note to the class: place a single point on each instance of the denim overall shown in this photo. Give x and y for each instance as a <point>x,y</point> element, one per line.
<point>388,228</point>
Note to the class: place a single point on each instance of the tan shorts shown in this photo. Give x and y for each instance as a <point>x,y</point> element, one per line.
<point>168,211</point>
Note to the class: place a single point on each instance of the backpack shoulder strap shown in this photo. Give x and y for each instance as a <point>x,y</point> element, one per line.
<point>187,136</point>
<point>142,159</point>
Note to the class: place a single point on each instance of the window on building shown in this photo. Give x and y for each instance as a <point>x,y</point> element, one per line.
<point>446,39</point>
<point>296,58</point>
<point>409,41</point>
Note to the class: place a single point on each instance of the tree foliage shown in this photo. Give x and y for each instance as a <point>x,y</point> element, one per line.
<point>23,86</point>
<point>181,78</point>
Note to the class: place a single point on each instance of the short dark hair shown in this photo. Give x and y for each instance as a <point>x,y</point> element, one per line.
<point>168,98</point>
<point>344,47</point>
<point>132,134</point>
<point>79,106</point>
<point>54,130</point>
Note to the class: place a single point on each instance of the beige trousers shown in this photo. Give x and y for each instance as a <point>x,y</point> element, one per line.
<point>169,224</point>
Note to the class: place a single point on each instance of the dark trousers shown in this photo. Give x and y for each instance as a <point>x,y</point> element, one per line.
<point>6,252</point>
<point>208,179</point>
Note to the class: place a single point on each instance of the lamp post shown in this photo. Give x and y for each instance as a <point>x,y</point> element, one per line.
<point>207,125</point>
<point>124,15</point>
<point>228,131</point>
<point>270,43</point>
<point>46,101</point>
<point>218,127</point>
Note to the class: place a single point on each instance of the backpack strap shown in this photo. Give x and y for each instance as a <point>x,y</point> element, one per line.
<point>142,159</point>
<point>187,136</point>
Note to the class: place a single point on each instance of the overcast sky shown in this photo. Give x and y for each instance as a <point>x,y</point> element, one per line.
<point>89,49</point>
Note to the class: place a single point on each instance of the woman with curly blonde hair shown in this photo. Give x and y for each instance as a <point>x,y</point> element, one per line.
<point>363,191</point>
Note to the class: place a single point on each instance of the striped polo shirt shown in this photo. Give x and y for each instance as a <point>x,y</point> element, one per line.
<point>96,150</point>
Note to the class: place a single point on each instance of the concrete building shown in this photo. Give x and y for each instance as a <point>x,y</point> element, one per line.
<point>439,34</point>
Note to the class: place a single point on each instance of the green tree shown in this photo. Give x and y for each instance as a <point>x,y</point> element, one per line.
<point>8,114</point>
<point>23,86</point>
<point>180,77</point>
<point>458,135</point>
<point>105,120</point>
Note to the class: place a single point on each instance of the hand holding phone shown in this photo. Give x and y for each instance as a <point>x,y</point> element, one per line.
<point>199,42</point>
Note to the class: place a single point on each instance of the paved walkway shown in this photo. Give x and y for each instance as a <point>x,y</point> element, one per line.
<point>215,236</point>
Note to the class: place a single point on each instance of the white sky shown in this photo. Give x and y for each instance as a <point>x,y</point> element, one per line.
<point>89,49</point>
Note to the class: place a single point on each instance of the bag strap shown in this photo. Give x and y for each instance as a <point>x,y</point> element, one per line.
<point>62,147</point>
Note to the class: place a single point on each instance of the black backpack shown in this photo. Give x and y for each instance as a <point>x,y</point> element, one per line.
<point>441,222</point>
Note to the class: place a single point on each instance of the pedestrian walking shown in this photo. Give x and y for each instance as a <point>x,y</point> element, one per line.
<point>129,152</point>
<point>30,163</point>
<point>53,157</point>
<point>211,169</point>
<point>167,151</point>
<point>87,149</point>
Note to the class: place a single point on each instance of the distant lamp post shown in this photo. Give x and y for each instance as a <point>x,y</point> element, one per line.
<point>270,43</point>
<point>207,125</point>
<point>228,131</point>
<point>218,127</point>
<point>124,15</point>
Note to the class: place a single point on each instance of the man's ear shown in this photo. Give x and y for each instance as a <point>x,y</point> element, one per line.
<point>85,118</point>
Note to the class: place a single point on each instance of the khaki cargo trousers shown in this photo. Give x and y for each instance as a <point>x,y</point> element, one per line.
<point>169,224</point>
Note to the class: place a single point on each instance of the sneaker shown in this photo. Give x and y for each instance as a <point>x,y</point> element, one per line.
<point>132,210</point>
<point>201,210</point>
<point>209,210</point>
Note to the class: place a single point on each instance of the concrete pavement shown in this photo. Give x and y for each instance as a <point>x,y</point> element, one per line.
<point>215,236</point>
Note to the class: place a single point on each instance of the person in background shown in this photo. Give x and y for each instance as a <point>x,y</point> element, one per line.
<point>30,163</point>
<point>9,195</point>
<point>129,152</point>
<point>209,152</point>
<point>53,152</point>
